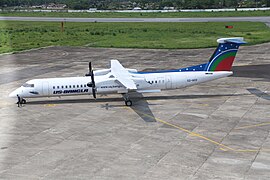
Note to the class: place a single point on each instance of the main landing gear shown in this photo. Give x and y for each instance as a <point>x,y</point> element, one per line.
<point>128,102</point>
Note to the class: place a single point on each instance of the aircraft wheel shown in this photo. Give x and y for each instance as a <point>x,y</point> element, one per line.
<point>23,101</point>
<point>128,103</point>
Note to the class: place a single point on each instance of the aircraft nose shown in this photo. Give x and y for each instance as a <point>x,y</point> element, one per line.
<point>13,94</point>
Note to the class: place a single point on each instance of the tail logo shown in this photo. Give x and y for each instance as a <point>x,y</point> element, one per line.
<point>223,61</point>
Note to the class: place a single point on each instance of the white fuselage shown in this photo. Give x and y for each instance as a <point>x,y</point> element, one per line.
<point>107,83</point>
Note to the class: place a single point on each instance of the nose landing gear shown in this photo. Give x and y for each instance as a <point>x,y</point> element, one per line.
<point>23,101</point>
<point>20,101</point>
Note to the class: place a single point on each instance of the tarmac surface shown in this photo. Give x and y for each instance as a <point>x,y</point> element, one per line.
<point>264,19</point>
<point>216,130</point>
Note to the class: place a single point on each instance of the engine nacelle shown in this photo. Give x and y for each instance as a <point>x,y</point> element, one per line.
<point>132,70</point>
<point>101,72</point>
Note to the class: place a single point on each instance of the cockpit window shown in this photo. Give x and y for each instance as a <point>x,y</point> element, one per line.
<point>28,85</point>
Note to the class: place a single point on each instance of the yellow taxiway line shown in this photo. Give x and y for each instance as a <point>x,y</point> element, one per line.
<point>49,105</point>
<point>254,125</point>
<point>222,146</point>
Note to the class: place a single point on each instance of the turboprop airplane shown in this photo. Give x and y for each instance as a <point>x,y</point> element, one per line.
<point>124,81</point>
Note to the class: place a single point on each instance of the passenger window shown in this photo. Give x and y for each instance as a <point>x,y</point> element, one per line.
<point>62,87</point>
<point>53,87</point>
<point>57,87</point>
<point>69,86</point>
<point>81,86</point>
<point>85,85</point>
<point>73,86</point>
<point>66,86</point>
<point>156,81</point>
<point>78,86</point>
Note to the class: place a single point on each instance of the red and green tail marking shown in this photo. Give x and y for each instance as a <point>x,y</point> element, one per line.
<point>223,62</point>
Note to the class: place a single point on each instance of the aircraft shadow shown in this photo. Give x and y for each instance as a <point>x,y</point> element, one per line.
<point>259,93</point>
<point>141,107</point>
<point>140,104</point>
<point>252,71</point>
<point>134,99</point>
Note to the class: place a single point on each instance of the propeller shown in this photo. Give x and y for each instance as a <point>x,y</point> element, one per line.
<point>92,84</point>
<point>90,69</point>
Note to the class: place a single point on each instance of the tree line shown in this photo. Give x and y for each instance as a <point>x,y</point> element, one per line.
<point>144,4</point>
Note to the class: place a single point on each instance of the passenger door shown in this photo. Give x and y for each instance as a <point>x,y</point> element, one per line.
<point>45,88</point>
<point>168,82</point>
<point>161,83</point>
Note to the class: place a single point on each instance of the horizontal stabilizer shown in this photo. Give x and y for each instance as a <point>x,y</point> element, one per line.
<point>236,40</point>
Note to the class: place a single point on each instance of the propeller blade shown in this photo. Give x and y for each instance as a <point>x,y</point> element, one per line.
<point>94,93</point>
<point>90,67</point>
<point>93,85</point>
<point>92,79</point>
<point>90,70</point>
<point>91,73</point>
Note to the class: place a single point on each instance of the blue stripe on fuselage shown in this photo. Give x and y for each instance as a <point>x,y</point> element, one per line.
<point>200,67</point>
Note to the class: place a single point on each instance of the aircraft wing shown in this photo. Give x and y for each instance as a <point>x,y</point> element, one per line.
<point>122,75</point>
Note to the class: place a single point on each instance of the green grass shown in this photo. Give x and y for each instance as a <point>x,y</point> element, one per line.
<point>139,15</point>
<point>17,35</point>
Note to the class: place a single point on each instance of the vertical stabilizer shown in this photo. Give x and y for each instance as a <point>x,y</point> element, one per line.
<point>224,55</point>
